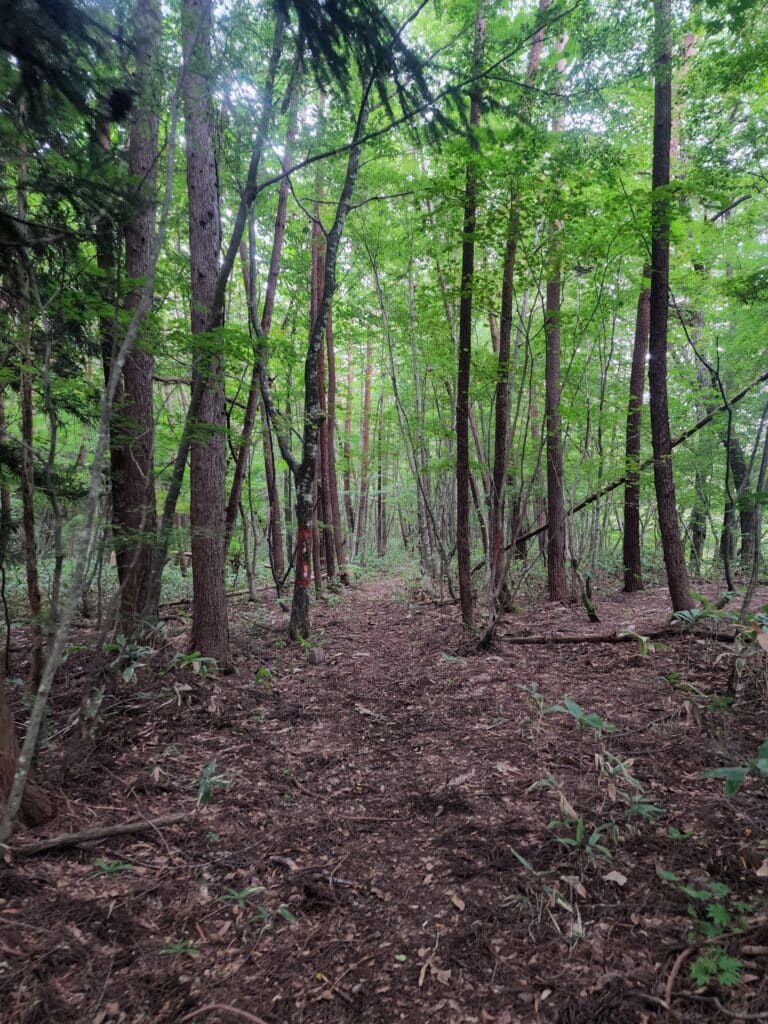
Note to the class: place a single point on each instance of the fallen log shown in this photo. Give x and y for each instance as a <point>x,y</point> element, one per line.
<point>619,636</point>
<point>88,835</point>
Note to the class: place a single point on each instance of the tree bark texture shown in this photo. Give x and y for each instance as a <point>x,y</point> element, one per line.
<point>674,556</point>
<point>633,569</point>
<point>210,627</point>
<point>304,471</point>
<point>463,376</point>
<point>502,344</point>
<point>365,444</point>
<point>133,425</point>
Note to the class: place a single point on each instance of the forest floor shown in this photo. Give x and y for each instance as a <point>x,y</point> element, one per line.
<point>404,832</point>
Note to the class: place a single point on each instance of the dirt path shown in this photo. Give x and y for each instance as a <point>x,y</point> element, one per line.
<point>383,800</point>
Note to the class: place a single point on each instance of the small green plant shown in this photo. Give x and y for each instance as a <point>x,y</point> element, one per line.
<point>269,921</point>
<point>183,948</point>
<point>644,642</point>
<point>263,677</point>
<point>104,867</point>
<point>130,656</point>
<point>199,663</point>
<point>584,719</point>
<point>207,782</point>
<point>536,701</point>
<point>639,807</point>
<point>240,896</point>
<point>716,964</point>
<point>579,837</point>
<point>714,912</point>
<point>675,833</point>
<point>734,777</point>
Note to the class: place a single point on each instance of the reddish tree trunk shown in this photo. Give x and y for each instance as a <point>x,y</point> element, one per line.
<point>133,487</point>
<point>210,627</point>
<point>362,508</point>
<point>633,570</point>
<point>338,534</point>
<point>674,556</point>
<point>556,575</point>
<point>347,450</point>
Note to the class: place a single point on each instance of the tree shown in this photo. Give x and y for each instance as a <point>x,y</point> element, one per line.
<point>674,556</point>
<point>463,544</point>
<point>208,464</point>
<point>133,428</point>
<point>631,550</point>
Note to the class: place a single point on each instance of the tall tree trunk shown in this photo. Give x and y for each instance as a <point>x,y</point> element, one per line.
<point>333,481</point>
<point>381,509</point>
<point>133,488</point>
<point>304,471</point>
<point>556,574</point>
<point>34,599</point>
<point>261,329</point>
<point>365,438</point>
<point>347,447</point>
<point>674,556</point>
<point>216,315</point>
<point>208,464</point>
<point>633,569</point>
<point>503,347</point>
<point>324,480</point>
<point>463,533</point>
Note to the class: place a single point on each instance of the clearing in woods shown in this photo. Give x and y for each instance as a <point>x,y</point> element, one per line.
<point>406,831</point>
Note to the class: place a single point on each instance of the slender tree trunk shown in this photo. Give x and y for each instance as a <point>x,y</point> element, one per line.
<point>333,481</point>
<point>463,533</point>
<point>503,349</point>
<point>275,530</point>
<point>28,491</point>
<point>556,574</point>
<point>324,480</point>
<point>362,508</point>
<point>633,569</point>
<point>261,329</point>
<point>304,471</point>
<point>208,465</point>
<point>674,556</point>
<point>347,449</point>
<point>381,510</point>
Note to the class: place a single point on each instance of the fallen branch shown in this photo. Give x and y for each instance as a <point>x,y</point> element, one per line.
<point>616,637</point>
<point>647,463</point>
<point>88,835</point>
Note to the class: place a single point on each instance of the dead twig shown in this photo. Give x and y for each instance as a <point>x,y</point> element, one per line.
<point>224,1008</point>
<point>88,835</point>
<point>679,961</point>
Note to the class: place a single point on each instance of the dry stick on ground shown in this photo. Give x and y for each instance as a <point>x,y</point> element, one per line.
<point>88,835</point>
<point>596,495</point>
<point>223,1008</point>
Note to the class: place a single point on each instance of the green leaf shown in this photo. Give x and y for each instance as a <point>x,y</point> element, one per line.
<point>667,876</point>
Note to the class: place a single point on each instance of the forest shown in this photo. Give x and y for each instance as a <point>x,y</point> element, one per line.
<point>383,458</point>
